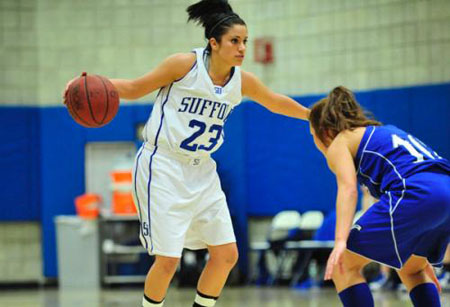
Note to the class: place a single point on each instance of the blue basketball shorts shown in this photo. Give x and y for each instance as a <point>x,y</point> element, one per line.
<point>414,221</point>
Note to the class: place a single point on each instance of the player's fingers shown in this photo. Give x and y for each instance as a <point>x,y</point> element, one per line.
<point>66,90</point>
<point>330,266</point>
<point>338,262</point>
<point>329,272</point>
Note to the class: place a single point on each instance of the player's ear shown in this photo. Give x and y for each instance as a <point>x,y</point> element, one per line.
<point>214,44</point>
<point>328,137</point>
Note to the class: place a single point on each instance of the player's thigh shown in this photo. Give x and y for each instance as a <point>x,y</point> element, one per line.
<point>353,262</point>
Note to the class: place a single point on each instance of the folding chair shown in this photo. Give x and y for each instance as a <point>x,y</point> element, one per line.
<point>310,223</point>
<point>285,226</point>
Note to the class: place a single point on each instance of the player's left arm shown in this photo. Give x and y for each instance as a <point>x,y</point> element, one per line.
<point>253,88</point>
<point>340,161</point>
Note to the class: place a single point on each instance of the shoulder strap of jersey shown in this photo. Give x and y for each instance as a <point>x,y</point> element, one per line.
<point>200,54</point>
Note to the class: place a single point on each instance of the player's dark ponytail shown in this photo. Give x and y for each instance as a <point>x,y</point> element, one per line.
<point>216,16</point>
<point>337,112</point>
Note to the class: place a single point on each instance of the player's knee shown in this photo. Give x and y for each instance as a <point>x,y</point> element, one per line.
<point>232,257</point>
<point>167,265</point>
<point>347,272</point>
<point>227,256</point>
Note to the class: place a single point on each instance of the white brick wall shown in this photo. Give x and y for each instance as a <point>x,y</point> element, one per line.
<point>18,52</point>
<point>362,44</point>
<point>318,43</point>
<point>20,252</point>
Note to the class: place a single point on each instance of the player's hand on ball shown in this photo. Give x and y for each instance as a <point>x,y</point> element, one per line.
<point>66,90</point>
<point>335,259</point>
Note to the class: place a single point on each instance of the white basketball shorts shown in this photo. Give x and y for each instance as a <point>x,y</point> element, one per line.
<point>180,202</point>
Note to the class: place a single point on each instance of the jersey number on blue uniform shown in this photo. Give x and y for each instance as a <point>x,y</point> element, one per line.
<point>189,144</point>
<point>415,147</point>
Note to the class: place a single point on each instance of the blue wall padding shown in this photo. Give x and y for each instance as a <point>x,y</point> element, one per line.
<point>267,164</point>
<point>231,159</point>
<point>62,175</point>
<point>423,111</point>
<point>430,117</point>
<point>19,164</point>
<point>284,169</point>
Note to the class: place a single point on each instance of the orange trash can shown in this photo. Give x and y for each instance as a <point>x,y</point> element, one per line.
<point>87,205</point>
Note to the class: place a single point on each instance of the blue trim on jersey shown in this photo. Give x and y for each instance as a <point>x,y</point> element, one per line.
<point>159,92</point>
<point>148,197</point>
<point>144,133</point>
<point>231,76</point>
<point>231,72</point>
<point>162,115</point>
<point>150,167</point>
<point>391,209</point>
<point>360,152</point>
<point>193,65</point>
<point>137,197</point>
<point>389,162</point>
<point>391,212</point>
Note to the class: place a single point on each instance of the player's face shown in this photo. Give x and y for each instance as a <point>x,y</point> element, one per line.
<point>233,45</point>
<point>320,146</point>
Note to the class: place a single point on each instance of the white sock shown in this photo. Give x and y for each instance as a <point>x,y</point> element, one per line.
<point>204,300</point>
<point>147,302</point>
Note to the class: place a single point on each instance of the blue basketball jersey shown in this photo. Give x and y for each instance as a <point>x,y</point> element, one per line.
<point>412,183</point>
<point>387,156</point>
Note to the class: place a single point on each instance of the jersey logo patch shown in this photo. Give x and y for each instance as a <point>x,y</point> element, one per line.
<point>217,90</point>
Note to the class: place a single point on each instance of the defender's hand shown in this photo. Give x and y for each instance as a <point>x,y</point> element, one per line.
<point>335,259</point>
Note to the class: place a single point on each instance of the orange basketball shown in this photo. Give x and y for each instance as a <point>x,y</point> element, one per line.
<point>92,100</point>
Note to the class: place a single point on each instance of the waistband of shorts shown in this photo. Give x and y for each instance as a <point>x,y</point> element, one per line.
<point>435,169</point>
<point>193,160</point>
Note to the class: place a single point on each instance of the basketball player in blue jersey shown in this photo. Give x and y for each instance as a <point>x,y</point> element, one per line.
<point>408,228</point>
<point>176,188</point>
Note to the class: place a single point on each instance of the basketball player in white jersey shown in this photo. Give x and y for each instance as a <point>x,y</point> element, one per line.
<point>176,188</point>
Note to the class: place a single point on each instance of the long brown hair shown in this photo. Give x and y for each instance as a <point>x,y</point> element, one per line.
<point>337,112</point>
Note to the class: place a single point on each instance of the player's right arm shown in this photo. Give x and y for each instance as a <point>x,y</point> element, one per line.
<point>172,68</point>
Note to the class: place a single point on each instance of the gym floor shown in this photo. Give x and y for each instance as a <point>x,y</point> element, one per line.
<point>232,296</point>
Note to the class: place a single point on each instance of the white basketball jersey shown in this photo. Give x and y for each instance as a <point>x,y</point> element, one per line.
<point>189,114</point>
